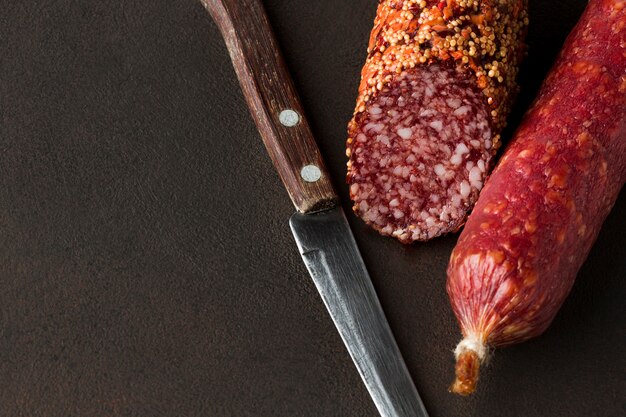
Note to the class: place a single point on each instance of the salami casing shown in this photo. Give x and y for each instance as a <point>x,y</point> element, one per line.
<point>434,95</point>
<point>543,206</point>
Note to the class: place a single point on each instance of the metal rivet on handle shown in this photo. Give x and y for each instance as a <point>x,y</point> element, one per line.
<point>289,118</point>
<point>311,173</point>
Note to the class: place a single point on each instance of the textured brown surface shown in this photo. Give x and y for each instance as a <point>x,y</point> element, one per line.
<point>146,266</point>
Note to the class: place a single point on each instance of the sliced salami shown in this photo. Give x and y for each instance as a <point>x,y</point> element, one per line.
<point>434,95</point>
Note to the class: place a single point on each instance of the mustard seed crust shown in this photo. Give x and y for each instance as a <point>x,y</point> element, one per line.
<point>486,37</point>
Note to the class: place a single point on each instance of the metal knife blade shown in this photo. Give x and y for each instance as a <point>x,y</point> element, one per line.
<point>333,259</point>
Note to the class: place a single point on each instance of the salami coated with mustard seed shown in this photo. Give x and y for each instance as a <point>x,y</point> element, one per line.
<point>434,95</point>
<point>542,208</point>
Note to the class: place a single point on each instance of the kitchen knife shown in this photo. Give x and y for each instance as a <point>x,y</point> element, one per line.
<point>319,226</point>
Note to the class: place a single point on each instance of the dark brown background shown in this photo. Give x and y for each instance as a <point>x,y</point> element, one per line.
<point>146,265</point>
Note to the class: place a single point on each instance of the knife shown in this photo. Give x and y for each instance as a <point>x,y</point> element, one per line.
<point>319,226</point>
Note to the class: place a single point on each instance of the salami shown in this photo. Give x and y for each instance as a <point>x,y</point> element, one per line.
<point>435,91</point>
<point>542,208</point>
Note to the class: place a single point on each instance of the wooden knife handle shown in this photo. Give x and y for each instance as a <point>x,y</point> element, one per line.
<point>273,102</point>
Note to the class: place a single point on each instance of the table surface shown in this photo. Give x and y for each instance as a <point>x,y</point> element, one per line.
<point>146,265</point>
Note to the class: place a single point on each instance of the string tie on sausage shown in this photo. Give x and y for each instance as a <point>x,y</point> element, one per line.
<point>474,344</point>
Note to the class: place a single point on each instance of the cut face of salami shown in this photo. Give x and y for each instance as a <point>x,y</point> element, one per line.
<point>420,153</point>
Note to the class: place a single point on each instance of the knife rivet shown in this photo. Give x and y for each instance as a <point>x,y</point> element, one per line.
<point>289,118</point>
<point>311,173</point>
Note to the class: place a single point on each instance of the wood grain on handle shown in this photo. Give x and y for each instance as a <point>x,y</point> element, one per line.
<point>269,90</point>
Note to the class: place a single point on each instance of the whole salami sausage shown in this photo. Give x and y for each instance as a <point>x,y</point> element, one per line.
<point>435,91</point>
<point>543,206</point>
